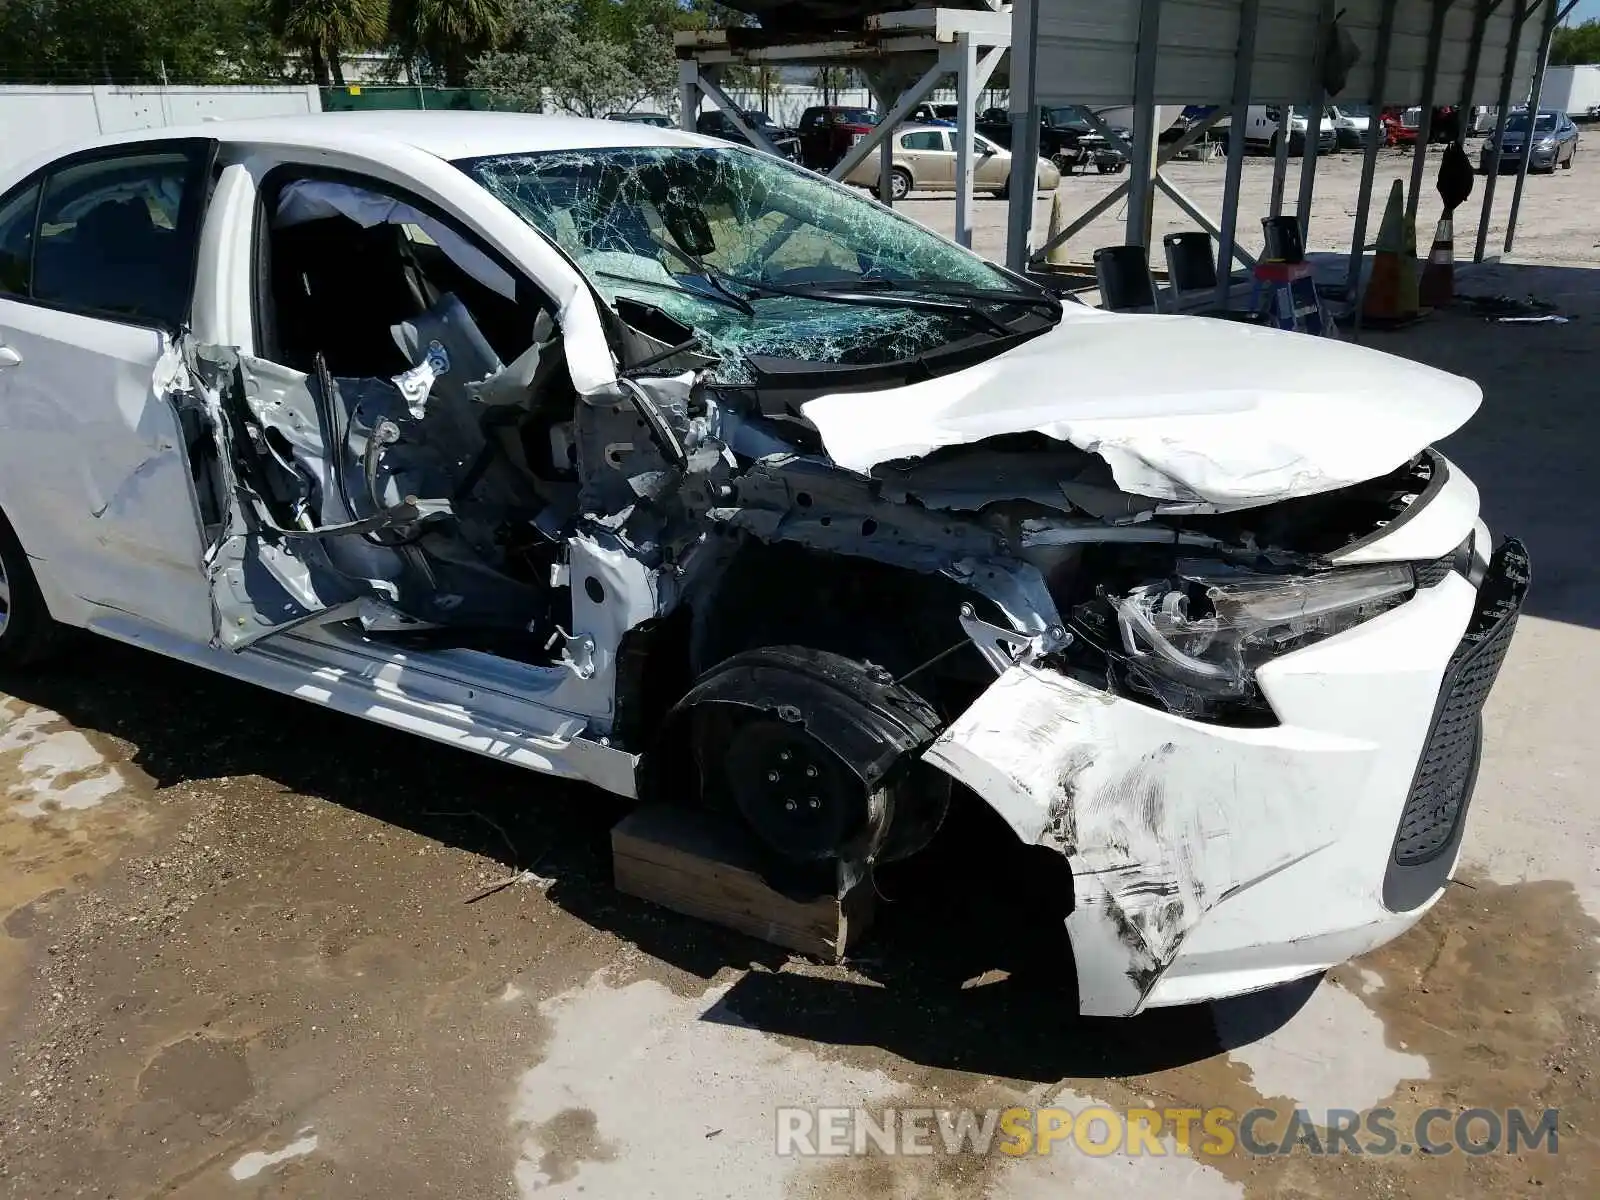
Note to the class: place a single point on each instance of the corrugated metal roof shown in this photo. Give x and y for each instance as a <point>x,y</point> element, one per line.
<point>1087,49</point>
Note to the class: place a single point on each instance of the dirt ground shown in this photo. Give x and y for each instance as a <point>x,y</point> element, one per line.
<point>243,953</point>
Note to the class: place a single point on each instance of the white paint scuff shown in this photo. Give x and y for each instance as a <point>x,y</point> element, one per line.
<point>257,1161</point>
<point>38,759</point>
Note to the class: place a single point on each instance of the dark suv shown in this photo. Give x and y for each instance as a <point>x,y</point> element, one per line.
<point>827,131</point>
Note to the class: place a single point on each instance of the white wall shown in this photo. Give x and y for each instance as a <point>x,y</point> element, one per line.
<point>39,118</point>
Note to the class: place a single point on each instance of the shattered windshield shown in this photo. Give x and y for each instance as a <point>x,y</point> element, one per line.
<point>759,257</point>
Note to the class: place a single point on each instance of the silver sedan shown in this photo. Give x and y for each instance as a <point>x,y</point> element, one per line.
<point>925,160</point>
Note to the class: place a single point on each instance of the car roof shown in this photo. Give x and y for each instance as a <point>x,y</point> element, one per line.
<point>448,135</point>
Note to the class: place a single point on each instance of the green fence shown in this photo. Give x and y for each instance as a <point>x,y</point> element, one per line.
<point>364,98</point>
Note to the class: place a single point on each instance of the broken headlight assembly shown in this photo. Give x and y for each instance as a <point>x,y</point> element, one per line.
<point>1194,641</point>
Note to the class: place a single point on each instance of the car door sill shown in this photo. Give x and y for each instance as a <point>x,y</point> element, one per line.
<point>456,697</point>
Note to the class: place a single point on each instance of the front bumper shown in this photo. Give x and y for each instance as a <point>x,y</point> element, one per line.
<point>1209,860</point>
<point>1511,159</point>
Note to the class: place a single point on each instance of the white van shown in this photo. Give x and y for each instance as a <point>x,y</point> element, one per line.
<point>1261,129</point>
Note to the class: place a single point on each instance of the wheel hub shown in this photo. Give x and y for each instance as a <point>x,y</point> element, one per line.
<point>795,794</point>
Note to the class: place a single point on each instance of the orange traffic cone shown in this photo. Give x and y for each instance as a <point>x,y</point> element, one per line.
<point>1438,286</point>
<point>1391,296</point>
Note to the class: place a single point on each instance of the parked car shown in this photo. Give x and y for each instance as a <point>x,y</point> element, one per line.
<point>1069,136</point>
<point>1262,127</point>
<point>718,124</point>
<point>1350,124</point>
<point>658,120</point>
<point>928,114</point>
<point>1396,131</point>
<point>1555,143</point>
<point>925,160</point>
<point>1441,130</point>
<point>650,461</point>
<point>827,131</point>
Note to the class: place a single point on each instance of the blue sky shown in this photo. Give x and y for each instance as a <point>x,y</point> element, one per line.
<point>1586,10</point>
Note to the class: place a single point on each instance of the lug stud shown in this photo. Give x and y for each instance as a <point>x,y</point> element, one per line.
<point>790,805</point>
<point>811,772</point>
<point>815,803</point>
<point>772,777</point>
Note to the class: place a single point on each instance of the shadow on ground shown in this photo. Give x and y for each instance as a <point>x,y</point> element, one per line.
<point>1531,448</point>
<point>975,904</point>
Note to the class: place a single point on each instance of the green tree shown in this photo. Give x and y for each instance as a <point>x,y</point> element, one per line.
<point>1576,45</point>
<point>327,29</point>
<point>448,35</point>
<point>136,41</point>
<point>588,57</point>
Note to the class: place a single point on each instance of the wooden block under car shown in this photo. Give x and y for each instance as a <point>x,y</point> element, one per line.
<point>703,865</point>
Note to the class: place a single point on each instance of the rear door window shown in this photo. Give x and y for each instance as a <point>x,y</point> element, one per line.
<point>117,234</point>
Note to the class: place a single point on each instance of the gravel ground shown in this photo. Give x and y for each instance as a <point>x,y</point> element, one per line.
<point>1555,225</point>
<point>242,954</point>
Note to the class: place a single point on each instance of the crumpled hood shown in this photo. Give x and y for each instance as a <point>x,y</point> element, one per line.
<point>1186,409</point>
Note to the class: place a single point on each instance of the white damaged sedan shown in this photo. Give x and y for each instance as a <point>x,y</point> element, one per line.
<point>633,457</point>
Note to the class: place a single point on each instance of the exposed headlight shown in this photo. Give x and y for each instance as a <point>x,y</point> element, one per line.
<point>1208,628</point>
<point>1548,143</point>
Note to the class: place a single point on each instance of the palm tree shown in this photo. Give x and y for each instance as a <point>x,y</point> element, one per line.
<point>325,29</point>
<point>449,34</point>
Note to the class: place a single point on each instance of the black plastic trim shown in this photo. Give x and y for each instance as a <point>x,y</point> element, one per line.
<point>1405,886</point>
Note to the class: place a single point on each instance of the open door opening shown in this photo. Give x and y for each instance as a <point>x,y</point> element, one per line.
<point>403,449</point>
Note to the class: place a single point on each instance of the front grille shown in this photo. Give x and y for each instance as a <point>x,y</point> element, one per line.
<point>1449,765</point>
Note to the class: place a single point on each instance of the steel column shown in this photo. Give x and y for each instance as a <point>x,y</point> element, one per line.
<point>1480,22</point>
<point>1243,62</point>
<point>1280,159</point>
<point>1430,78</point>
<point>1141,177</point>
<point>1369,156</point>
<point>1319,96</point>
<point>1024,130</point>
<point>688,93</point>
<point>1540,65</point>
<point>1502,111</point>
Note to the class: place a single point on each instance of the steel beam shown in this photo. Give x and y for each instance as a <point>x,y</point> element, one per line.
<point>1024,132</point>
<point>1541,64</point>
<point>720,98</point>
<point>1192,135</point>
<point>1243,61</point>
<point>1369,154</point>
<point>1430,79</point>
<point>1142,170</point>
<point>1198,216</point>
<point>908,100</point>
<point>1508,72</point>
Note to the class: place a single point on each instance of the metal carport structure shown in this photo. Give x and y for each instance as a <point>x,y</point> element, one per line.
<point>1232,53</point>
